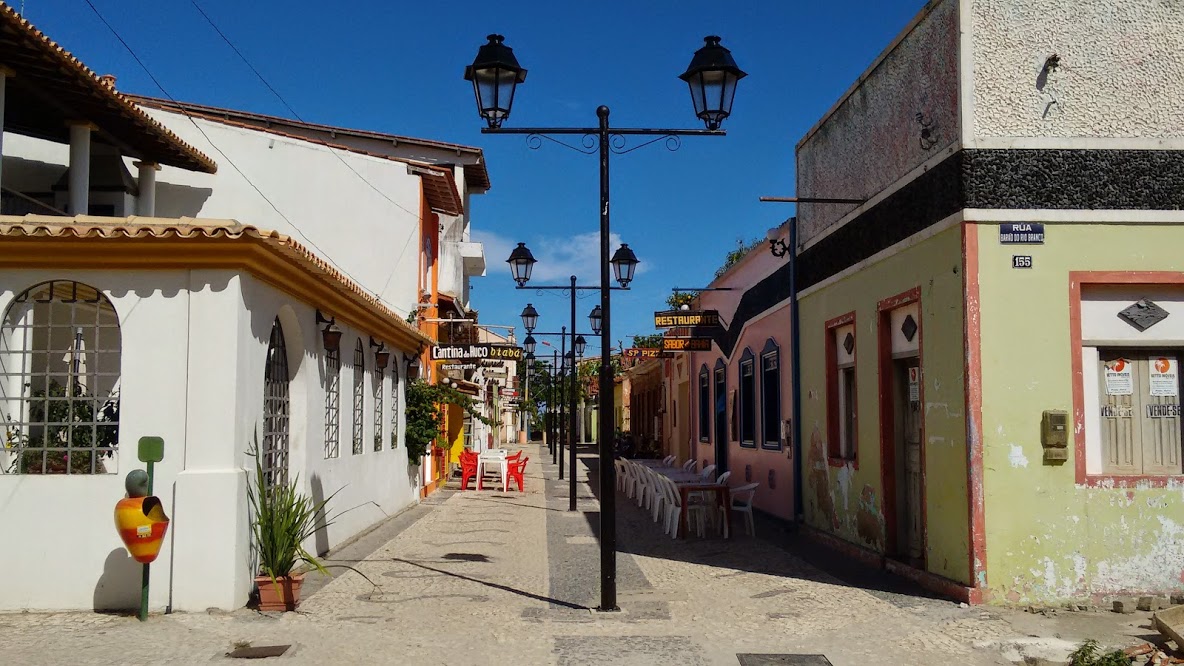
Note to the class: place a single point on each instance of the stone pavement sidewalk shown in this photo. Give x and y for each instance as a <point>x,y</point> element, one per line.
<point>490,577</point>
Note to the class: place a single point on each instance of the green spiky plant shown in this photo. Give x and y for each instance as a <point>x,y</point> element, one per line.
<point>1090,653</point>
<point>284,519</point>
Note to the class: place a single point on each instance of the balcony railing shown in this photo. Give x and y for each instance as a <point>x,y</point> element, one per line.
<point>15,203</point>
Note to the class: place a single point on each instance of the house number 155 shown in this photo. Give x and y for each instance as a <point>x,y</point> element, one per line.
<point>1021,261</point>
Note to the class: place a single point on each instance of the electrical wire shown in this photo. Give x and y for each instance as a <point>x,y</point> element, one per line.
<point>227,159</point>
<point>297,116</point>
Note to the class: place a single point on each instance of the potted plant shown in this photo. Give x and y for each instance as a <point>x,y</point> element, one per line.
<point>283,519</point>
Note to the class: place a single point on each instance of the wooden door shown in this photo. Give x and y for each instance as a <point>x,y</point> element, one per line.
<point>906,483</point>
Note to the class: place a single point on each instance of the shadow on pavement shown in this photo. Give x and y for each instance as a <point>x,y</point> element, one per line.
<point>496,586</point>
<point>637,534</point>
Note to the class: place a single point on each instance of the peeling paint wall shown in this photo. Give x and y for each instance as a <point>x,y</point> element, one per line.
<point>1049,539</point>
<point>849,502</point>
<point>902,112</point>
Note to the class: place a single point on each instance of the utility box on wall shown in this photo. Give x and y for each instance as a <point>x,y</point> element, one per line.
<point>1054,435</point>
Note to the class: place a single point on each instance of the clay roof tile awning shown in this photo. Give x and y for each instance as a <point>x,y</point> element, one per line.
<point>140,243</point>
<point>440,189</point>
<point>49,88</point>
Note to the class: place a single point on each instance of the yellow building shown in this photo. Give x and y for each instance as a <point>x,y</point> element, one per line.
<point>991,325</point>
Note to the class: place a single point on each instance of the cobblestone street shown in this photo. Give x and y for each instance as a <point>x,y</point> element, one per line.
<point>483,578</point>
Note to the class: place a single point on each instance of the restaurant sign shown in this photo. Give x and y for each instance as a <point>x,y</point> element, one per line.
<point>476,352</point>
<point>686,344</point>
<point>643,353</point>
<point>673,318</point>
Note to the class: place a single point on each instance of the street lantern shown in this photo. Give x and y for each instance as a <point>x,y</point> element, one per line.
<point>581,343</point>
<point>594,318</point>
<point>495,73</point>
<point>624,263</point>
<point>712,77</point>
<point>528,344</point>
<point>530,318</point>
<point>521,262</point>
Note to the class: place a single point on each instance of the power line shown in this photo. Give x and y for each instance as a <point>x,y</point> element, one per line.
<point>296,115</point>
<point>229,161</point>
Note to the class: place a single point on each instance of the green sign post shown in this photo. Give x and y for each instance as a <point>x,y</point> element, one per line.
<point>151,451</point>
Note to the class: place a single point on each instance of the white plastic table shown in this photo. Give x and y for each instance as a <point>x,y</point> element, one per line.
<point>492,457</point>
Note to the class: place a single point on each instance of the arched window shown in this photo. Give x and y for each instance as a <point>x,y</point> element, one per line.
<point>704,405</point>
<point>378,377</point>
<point>333,403</point>
<point>275,410</point>
<point>747,399</point>
<point>771,394</point>
<point>59,381</point>
<point>359,395</point>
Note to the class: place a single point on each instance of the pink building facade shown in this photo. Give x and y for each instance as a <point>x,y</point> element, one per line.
<point>732,406</point>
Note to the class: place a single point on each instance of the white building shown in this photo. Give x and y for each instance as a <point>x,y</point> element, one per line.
<point>192,304</point>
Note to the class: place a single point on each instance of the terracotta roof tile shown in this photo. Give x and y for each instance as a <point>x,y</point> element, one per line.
<point>105,228</point>
<point>39,61</point>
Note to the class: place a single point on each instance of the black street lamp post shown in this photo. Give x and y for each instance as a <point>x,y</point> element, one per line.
<point>712,77</point>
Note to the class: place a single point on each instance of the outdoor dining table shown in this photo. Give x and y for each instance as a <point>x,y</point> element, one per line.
<point>652,463</point>
<point>689,482</point>
<point>492,457</point>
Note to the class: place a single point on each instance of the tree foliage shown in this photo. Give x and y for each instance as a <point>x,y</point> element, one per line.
<point>734,257</point>
<point>681,298</point>
<point>651,341</point>
<point>425,418</point>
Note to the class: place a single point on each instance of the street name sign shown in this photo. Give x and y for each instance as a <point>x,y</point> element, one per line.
<point>1021,233</point>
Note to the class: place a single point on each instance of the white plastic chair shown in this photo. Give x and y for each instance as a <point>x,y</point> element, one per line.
<point>708,472</point>
<point>742,502</point>
<point>689,466</point>
<point>630,479</point>
<point>669,461</point>
<point>619,466</point>
<point>723,478</point>
<point>673,507</point>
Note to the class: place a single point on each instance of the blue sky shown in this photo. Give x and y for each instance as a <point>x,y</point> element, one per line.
<point>397,67</point>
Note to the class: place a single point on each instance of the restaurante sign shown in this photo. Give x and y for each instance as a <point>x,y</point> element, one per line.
<point>673,318</point>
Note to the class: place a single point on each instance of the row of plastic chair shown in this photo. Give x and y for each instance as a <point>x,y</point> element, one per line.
<point>659,495</point>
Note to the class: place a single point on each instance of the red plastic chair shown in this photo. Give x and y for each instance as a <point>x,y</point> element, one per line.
<point>468,468</point>
<point>515,472</point>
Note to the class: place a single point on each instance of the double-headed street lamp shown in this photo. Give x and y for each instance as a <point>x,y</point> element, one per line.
<point>712,77</point>
<point>521,260</point>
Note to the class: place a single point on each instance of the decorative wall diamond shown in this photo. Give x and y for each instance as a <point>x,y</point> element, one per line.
<point>909,327</point>
<point>849,343</point>
<point>1143,314</point>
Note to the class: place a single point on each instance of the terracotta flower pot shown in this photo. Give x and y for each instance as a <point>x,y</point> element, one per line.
<point>282,595</point>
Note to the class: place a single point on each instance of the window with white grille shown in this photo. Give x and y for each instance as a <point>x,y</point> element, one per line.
<point>359,396</point>
<point>59,381</point>
<point>394,404</point>
<point>333,403</point>
<point>378,376</point>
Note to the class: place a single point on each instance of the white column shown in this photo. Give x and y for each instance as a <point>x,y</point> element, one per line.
<point>80,168</point>
<point>4,74</point>
<point>146,203</point>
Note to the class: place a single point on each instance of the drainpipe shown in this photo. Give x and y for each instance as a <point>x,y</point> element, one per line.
<point>795,359</point>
